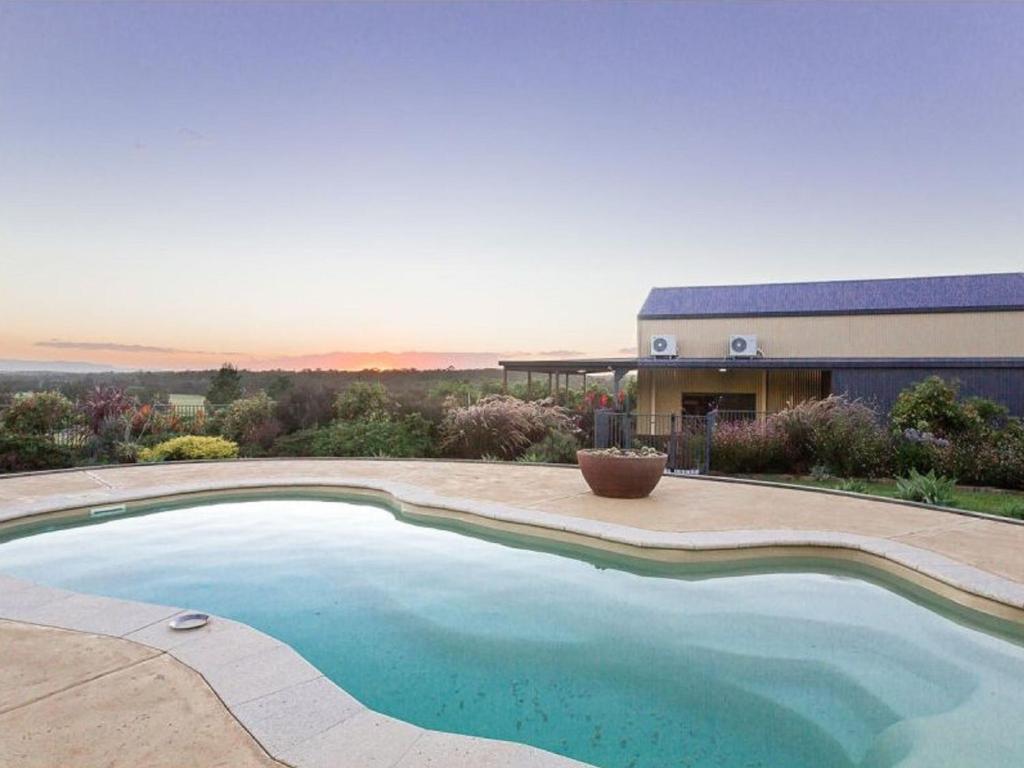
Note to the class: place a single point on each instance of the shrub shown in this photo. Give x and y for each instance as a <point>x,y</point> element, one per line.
<point>843,435</point>
<point>28,453</point>
<point>930,406</point>
<point>501,426</point>
<point>250,421</point>
<point>226,386</point>
<point>105,404</point>
<point>38,413</point>
<point>929,488</point>
<point>404,437</point>
<point>748,447</point>
<point>305,405</point>
<point>1000,461</point>
<point>851,485</point>
<point>190,447</point>
<point>365,401</point>
<point>555,448</point>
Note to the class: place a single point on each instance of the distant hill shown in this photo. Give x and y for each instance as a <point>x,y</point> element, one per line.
<point>56,366</point>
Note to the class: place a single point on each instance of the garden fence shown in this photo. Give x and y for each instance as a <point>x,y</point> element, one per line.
<point>686,439</point>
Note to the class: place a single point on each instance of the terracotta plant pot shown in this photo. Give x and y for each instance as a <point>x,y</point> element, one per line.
<point>621,477</point>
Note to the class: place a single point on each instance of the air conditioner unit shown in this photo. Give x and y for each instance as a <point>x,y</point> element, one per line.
<point>664,346</point>
<point>743,345</point>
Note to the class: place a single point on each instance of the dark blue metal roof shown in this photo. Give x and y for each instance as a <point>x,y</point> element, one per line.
<point>957,293</point>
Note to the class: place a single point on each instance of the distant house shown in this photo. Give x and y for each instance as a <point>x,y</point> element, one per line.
<point>757,347</point>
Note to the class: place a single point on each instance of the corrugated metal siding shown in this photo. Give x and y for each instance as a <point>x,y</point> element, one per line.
<point>964,334</point>
<point>786,387</point>
<point>882,386</point>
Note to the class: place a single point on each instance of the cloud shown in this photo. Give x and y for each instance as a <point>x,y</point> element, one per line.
<point>110,346</point>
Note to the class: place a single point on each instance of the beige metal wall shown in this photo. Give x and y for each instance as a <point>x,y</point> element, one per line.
<point>950,334</point>
<point>661,390</point>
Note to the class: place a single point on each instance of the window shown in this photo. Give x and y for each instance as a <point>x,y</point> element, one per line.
<point>700,404</point>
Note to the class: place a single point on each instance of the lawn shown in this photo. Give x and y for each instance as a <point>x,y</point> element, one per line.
<point>186,400</point>
<point>988,500</point>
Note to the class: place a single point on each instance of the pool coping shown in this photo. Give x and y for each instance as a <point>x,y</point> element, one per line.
<point>303,719</point>
<point>715,478</point>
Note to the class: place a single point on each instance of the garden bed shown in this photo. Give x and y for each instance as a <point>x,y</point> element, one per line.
<point>990,501</point>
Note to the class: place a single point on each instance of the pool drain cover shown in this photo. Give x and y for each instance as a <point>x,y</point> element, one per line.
<point>189,621</point>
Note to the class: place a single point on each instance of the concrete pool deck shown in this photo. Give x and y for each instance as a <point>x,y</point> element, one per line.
<point>121,689</point>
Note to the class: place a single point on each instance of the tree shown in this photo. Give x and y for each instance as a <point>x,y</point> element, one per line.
<point>365,401</point>
<point>226,386</point>
<point>279,386</point>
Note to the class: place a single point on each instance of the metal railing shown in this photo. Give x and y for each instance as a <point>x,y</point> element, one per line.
<point>687,440</point>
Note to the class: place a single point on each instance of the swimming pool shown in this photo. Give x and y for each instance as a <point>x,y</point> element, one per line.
<point>609,661</point>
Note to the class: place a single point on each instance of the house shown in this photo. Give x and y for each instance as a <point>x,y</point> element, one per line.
<point>756,348</point>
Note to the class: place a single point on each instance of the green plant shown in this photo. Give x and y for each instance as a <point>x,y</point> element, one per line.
<point>29,453</point>
<point>404,437</point>
<point>930,406</point>
<point>928,489</point>
<point>226,386</point>
<point>250,422</point>
<point>305,405</point>
<point>554,448</point>
<point>821,473</point>
<point>38,413</point>
<point>365,401</point>
<point>851,485</point>
<point>1016,511</point>
<point>190,447</point>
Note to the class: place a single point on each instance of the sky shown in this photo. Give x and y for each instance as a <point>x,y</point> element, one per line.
<point>430,184</point>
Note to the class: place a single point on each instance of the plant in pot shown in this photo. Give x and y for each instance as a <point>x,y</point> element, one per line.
<point>630,473</point>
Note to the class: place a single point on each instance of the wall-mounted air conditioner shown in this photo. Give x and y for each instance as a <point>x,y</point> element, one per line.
<point>664,345</point>
<point>743,345</point>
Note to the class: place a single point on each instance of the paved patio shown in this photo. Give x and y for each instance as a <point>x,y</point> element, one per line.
<point>73,698</point>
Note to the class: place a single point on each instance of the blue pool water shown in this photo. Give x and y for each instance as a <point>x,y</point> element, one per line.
<point>598,660</point>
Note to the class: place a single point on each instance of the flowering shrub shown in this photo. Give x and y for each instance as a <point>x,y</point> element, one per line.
<point>190,447</point>
<point>38,413</point>
<point>748,447</point>
<point>972,440</point>
<point>501,426</point>
<point>840,434</point>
